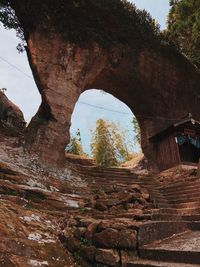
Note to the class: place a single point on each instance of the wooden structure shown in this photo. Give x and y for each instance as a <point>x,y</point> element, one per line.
<point>178,144</point>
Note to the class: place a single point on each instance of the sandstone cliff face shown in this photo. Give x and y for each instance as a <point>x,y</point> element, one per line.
<point>61,83</point>
<point>158,84</point>
<point>12,121</point>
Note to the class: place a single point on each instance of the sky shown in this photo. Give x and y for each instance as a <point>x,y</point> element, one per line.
<point>16,76</point>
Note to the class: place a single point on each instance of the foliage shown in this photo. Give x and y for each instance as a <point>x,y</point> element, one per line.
<point>109,146</point>
<point>10,21</point>
<point>7,16</point>
<point>75,146</point>
<point>137,131</point>
<point>85,242</point>
<point>184,27</point>
<point>107,22</point>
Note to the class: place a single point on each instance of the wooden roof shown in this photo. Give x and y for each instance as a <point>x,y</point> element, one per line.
<point>187,121</point>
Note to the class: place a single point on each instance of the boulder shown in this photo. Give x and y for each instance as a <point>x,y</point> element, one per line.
<point>145,195</point>
<point>107,256</point>
<point>101,206</point>
<point>91,230</point>
<point>127,256</point>
<point>103,225</point>
<point>88,253</point>
<point>127,239</point>
<point>108,238</point>
<point>80,232</point>
<point>72,244</point>
<point>136,187</point>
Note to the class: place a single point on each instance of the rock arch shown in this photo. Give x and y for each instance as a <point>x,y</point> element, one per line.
<point>155,81</point>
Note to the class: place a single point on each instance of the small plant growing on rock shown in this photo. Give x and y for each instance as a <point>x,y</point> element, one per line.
<point>85,242</point>
<point>83,210</point>
<point>3,90</point>
<point>75,146</point>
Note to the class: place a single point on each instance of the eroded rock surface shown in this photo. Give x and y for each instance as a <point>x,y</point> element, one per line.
<point>12,121</point>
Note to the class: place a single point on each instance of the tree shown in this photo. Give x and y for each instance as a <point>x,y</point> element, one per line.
<point>137,131</point>
<point>10,21</point>
<point>75,146</point>
<point>184,27</point>
<point>109,147</point>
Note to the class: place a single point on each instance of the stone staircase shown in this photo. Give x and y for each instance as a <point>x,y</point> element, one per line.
<point>169,235</point>
<point>182,207</point>
<point>183,201</point>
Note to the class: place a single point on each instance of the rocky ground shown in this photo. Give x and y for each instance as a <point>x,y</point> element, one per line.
<point>84,215</point>
<point>59,218</point>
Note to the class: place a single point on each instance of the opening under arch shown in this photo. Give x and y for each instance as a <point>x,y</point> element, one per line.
<point>94,104</point>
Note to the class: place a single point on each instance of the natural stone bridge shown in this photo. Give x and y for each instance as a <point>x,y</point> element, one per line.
<point>157,83</point>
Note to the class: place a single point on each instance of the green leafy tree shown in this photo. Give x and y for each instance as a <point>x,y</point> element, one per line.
<point>10,21</point>
<point>137,131</point>
<point>109,146</point>
<point>184,27</point>
<point>75,146</point>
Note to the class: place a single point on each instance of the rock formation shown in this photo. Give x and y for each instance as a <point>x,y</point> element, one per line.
<point>158,84</point>
<point>12,121</point>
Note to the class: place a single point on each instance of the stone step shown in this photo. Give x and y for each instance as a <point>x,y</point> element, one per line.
<point>189,198</point>
<point>192,204</point>
<point>142,217</point>
<point>194,192</point>
<point>152,263</point>
<point>106,184</point>
<point>103,168</point>
<point>193,217</point>
<point>166,217</point>
<point>108,180</point>
<point>178,187</point>
<point>113,178</point>
<point>158,198</point>
<point>174,217</point>
<point>180,191</point>
<point>185,200</point>
<point>105,177</point>
<point>183,248</point>
<point>182,211</point>
<point>194,226</point>
<point>117,174</point>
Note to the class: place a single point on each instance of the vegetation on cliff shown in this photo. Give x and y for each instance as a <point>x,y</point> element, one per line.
<point>106,22</point>
<point>184,28</point>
